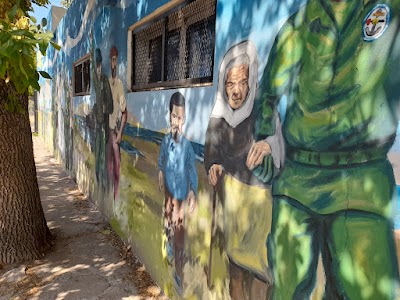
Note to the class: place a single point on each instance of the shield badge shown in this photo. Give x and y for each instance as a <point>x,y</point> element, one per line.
<point>376,22</point>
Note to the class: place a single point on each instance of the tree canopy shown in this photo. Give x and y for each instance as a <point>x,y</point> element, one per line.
<point>20,37</point>
<point>66,3</point>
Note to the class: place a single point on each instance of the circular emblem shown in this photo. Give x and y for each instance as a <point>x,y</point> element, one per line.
<point>376,22</point>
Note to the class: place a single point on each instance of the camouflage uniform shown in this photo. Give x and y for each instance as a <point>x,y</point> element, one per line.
<point>334,195</point>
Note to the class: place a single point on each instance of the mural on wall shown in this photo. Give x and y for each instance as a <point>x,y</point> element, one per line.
<point>177,174</point>
<point>336,61</point>
<point>246,201</point>
<point>102,109</point>
<point>317,76</point>
<point>68,115</point>
<point>117,122</point>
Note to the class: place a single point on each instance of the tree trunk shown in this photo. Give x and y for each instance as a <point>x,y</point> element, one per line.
<point>24,234</point>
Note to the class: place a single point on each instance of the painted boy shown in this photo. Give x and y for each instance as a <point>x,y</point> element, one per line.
<point>177,170</point>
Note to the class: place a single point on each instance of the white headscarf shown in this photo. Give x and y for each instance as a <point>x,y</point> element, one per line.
<point>222,108</point>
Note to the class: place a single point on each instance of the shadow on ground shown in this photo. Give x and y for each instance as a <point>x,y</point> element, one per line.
<point>87,259</point>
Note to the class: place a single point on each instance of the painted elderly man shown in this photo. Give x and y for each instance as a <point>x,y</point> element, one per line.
<point>117,122</point>
<point>337,62</point>
<point>247,202</point>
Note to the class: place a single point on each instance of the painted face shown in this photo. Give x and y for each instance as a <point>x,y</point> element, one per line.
<point>237,85</point>
<point>98,71</point>
<point>114,66</point>
<point>177,119</point>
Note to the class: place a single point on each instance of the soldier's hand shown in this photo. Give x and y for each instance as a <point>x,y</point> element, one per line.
<point>257,153</point>
<point>160,180</point>
<point>214,174</point>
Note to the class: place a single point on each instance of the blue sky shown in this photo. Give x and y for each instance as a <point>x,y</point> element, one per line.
<point>40,12</point>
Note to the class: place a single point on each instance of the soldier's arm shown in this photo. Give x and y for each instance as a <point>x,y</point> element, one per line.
<point>283,64</point>
<point>282,68</point>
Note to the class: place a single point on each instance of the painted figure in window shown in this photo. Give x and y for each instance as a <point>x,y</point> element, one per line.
<point>338,64</point>
<point>246,201</point>
<point>178,175</point>
<point>101,110</point>
<point>117,121</point>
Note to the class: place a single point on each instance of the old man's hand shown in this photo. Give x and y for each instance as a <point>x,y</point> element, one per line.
<point>214,174</point>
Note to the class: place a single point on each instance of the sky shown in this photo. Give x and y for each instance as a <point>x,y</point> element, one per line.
<point>40,12</point>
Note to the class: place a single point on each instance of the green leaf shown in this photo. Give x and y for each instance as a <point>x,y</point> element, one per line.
<point>13,12</point>
<point>26,50</point>
<point>29,41</point>
<point>56,46</point>
<point>43,47</point>
<point>5,49</point>
<point>33,19</point>
<point>34,84</point>
<point>48,35</point>
<point>19,32</point>
<point>22,69</point>
<point>23,32</point>
<point>19,86</point>
<point>3,67</point>
<point>6,25</point>
<point>44,22</point>
<point>45,74</point>
<point>38,27</point>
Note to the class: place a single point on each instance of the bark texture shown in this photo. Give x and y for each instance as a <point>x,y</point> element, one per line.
<point>24,234</point>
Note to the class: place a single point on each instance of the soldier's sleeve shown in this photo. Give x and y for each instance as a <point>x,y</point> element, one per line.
<point>281,70</point>
<point>283,62</point>
<point>108,101</point>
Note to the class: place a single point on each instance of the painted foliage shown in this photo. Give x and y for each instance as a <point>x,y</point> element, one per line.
<point>271,181</point>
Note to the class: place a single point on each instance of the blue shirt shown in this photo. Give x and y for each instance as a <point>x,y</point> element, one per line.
<point>176,161</point>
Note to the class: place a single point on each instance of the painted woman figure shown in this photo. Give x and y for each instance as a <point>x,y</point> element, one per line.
<point>247,201</point>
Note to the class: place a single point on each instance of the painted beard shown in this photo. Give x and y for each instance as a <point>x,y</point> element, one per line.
<point>175,134</point>
<point>113,72</point>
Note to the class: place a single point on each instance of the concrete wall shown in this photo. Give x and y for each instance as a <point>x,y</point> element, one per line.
<point>323,212</point>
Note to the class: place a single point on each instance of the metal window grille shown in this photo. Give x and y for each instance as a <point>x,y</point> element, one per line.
<point>78,79</point>
<point>86,76</point>
<point>82,77</point>
<point>176,50</point>
<point>155,59</point>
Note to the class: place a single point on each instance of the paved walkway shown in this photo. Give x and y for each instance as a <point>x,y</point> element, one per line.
<point>88,261</point>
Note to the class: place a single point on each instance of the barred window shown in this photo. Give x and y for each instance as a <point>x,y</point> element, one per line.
<point>175,50</point>
<point>82,76</point>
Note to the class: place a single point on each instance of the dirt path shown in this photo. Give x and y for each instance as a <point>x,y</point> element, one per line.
<point>87,261</point>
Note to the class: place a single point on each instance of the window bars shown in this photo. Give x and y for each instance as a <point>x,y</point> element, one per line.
<point>176,50</point>
<point>82,76</point>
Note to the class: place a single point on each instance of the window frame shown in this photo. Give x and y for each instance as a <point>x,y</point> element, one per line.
<point>81,61</point>
<point>162,14</point>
